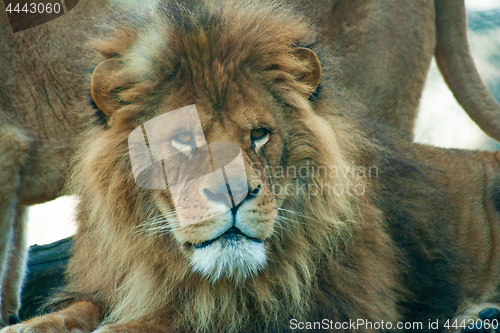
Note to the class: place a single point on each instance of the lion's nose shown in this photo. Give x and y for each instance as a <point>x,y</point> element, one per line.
<point>220,195</point>
<point>255,191</point>
<point>252,193</point>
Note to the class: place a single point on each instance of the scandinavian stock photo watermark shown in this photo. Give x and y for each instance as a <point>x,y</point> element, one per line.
<point>311,180</point>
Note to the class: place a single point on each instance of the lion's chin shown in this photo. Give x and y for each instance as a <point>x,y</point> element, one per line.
<point>232,256</point>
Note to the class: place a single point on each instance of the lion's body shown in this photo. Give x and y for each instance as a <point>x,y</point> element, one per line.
<point>471,179</point>
<point>398,240</point>
<point>381,48</point>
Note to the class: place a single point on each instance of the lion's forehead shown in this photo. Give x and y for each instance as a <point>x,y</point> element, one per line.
<point>199,50</point>
<point>234,115</point>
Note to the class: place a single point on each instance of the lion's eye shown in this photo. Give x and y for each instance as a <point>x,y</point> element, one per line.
<point>184,141</point>
<point>259,137</point>
<point>184,137</point>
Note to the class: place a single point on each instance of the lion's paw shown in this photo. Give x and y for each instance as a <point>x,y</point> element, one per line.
<point>21,328</point>
<point>33,328</point>
<point>44,325</point>
<point>484,318</point>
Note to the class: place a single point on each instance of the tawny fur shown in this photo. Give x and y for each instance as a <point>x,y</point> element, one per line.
<point>40,84</point>
<point>37,100</point>
<point>418,244</point>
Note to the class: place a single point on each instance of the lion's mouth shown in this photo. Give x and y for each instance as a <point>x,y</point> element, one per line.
<point>230,238</point>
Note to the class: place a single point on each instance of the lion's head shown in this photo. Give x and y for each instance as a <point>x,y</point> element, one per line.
<point>258,233</point>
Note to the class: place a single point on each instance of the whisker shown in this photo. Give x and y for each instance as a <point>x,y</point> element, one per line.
<point>285,218</point>
<point>156,219</point>
<point>294,213</point>
<point>164,227</point>
<point>158,225</point>
<point>279,220</point>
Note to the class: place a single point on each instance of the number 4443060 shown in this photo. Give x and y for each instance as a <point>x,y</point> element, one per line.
<point>471,323</point>
<point>35,8</point>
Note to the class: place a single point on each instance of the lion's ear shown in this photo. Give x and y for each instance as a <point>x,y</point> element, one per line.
<point>313,75</point>
<point>102,87</point>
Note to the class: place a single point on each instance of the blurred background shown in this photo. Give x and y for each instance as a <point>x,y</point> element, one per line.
<point>441,121</point>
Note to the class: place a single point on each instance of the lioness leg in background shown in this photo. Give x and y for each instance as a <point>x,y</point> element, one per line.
<point>13,152</point>
<point>16,262</point>
<point>7,212</point>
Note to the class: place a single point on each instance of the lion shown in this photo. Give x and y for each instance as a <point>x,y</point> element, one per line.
<point>344,224</point>
<point>41,90</point>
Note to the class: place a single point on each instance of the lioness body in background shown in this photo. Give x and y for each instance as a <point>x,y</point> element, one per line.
<point>374,229</point>
<point>40,83</point>
<point>383,50</point>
